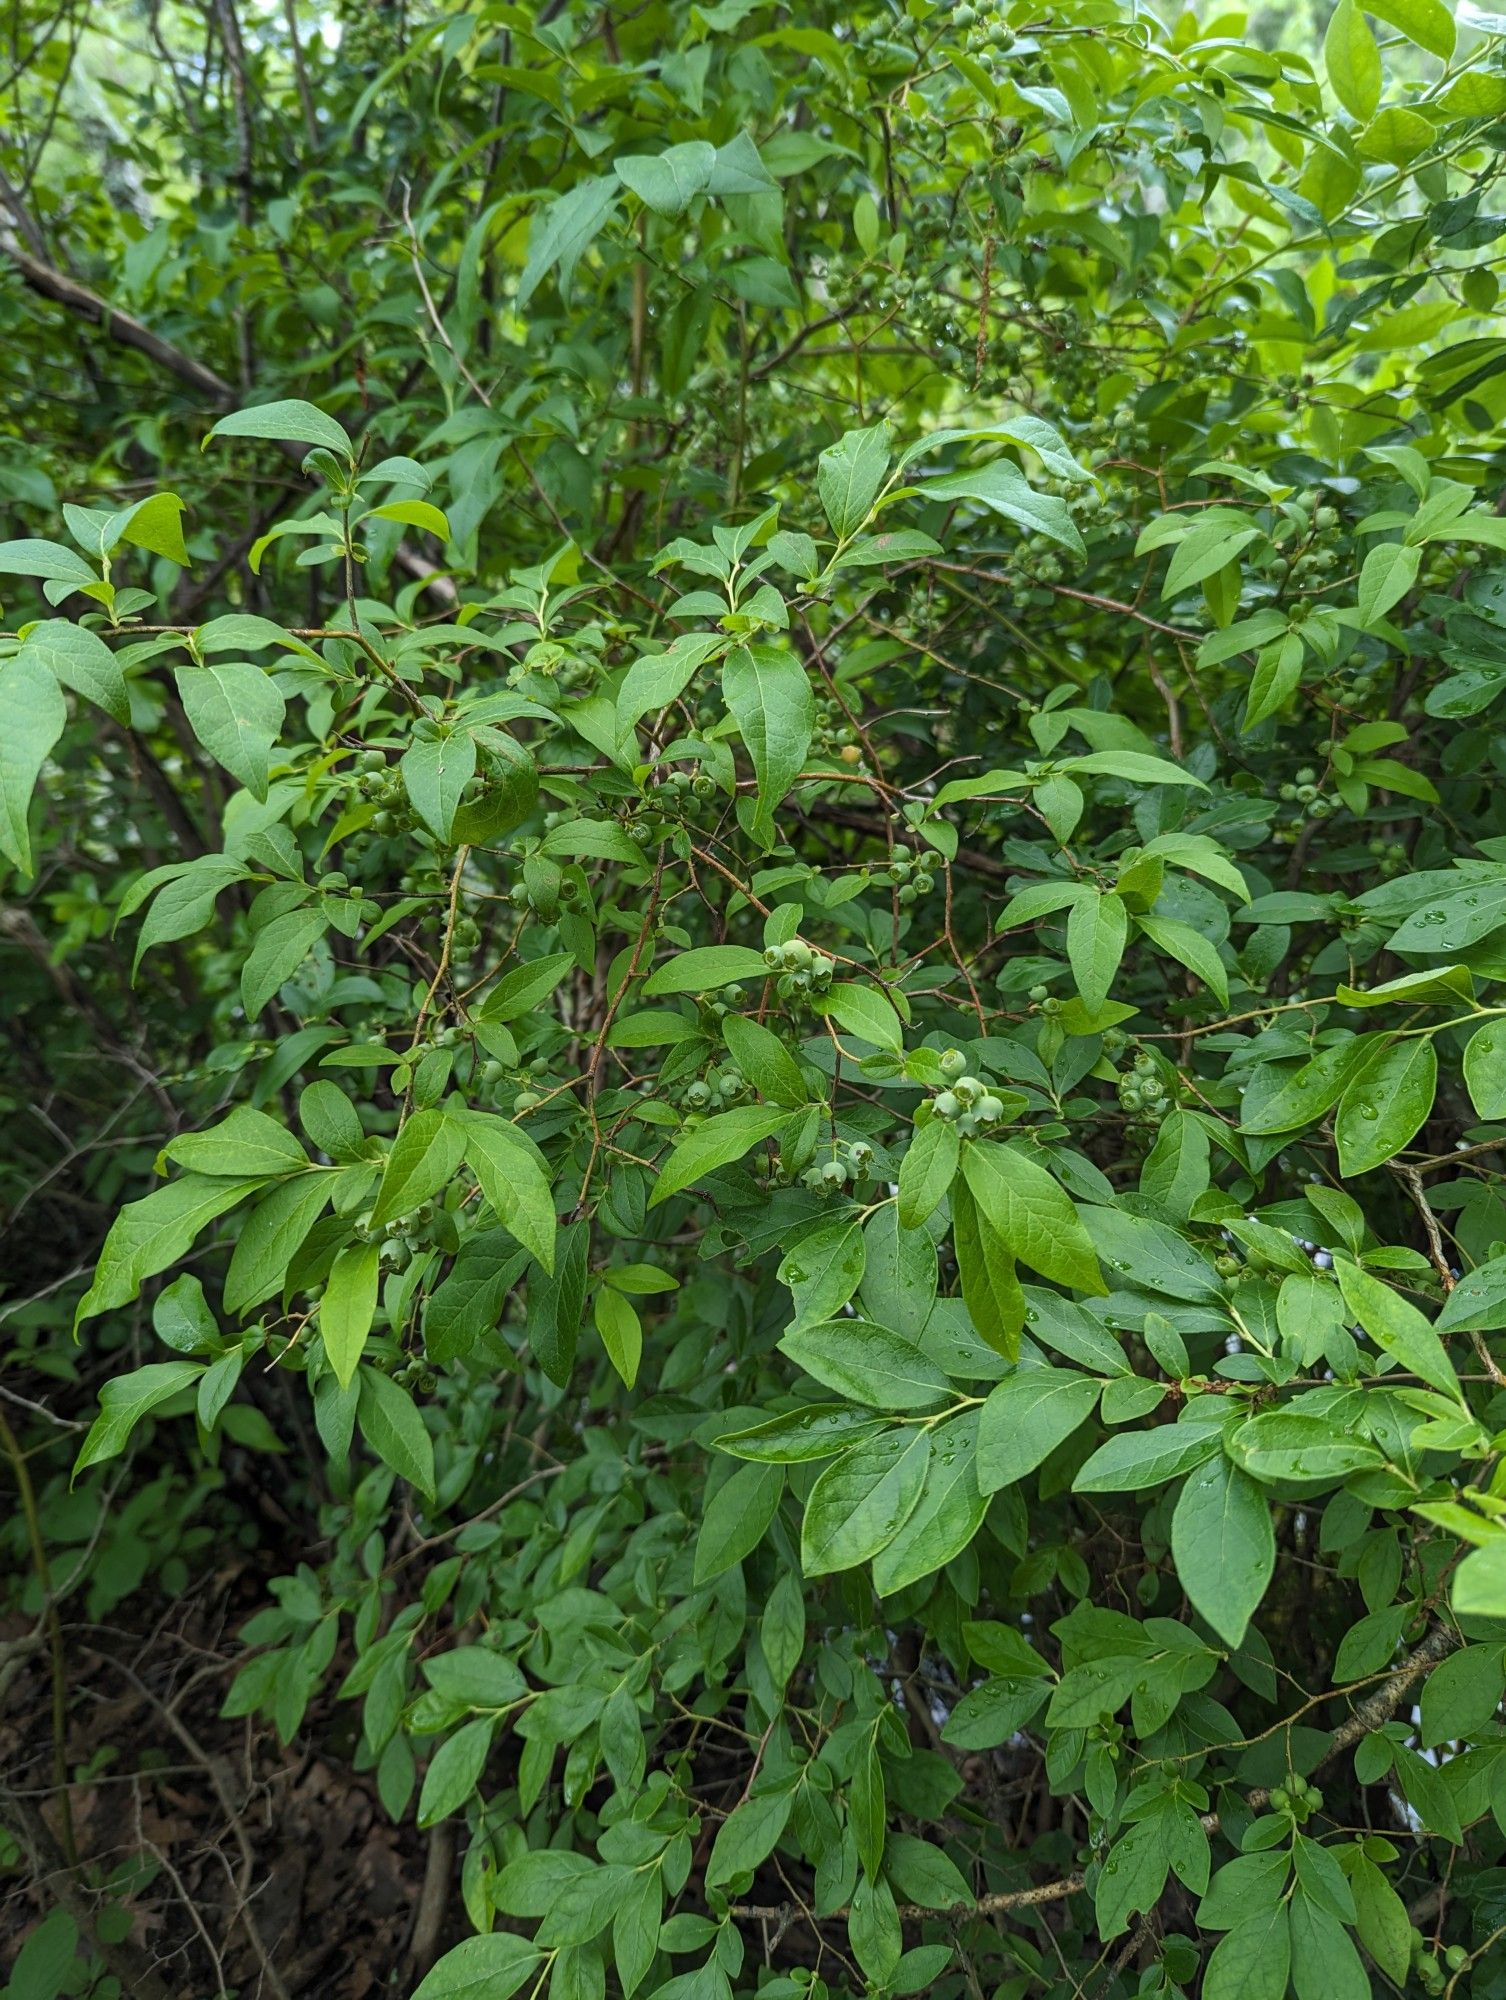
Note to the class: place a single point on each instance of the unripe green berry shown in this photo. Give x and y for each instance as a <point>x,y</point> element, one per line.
<point>946,1105</point>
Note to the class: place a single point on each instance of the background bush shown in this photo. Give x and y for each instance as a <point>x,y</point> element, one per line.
<point>752,961</point>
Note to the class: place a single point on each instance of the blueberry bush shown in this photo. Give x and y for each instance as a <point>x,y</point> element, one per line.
<point>754,819</point>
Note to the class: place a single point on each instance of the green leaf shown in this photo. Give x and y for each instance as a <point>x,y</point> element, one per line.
<point>279,949</point>
<point>1354,70</point>
<point>1253,1962</point>
<point>1485,1069</point>
<point>156,524</point>
<point>1003,489</point>
<point>348,1307</point>
<point>393,1428</point>
<point>768,695</point>
<point>655,680</point>
<point>948,1514</point>
<point>507,1167</point>
<point>236,712</point>
<point>717,1143</point>
<point>413,514</point>
<point>1176,1169</point>
<point>1135,1460</point>
<point>1390,569</point>
<point>291,420</point>
<point>736,1519</point>
<point>35,715</point>
<point>849,474</point>
<point>1477,1301</point>
<point>867,1363</point>
<point>436,771</point>
<point>704,969</point>
<point>1398,1327</point>
<point>621,1332</point>
<point>492,1967</point>
<point>927,1171</point>
<point>564,232</point>
<point>1223,1545</point>
<point>52,561</point>
<point>1284,1445</point>
<point>1385,1104</point>
<point>455,1770</point>
<point>1429,23</point>
<point>863,1011</point>
<point>863,1499</point>
<point>423,1159</point>
<point>1026,1417</point>
<point>1190,948</point>
<point>82,661</point>
<point>149,1235</point>
<point>270,1236</point>
<point>1031,1215</point>
<point>764,1061</point>
<point>245,1142</point>
<point>1134,766</point>
<point>1097,930</point>
<point>526,987</point>
<point>125,1400</point>
<point>668,182</point>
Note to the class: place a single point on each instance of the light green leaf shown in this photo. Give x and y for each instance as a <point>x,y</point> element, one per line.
<point>1026,1417</point>
<point>717,1143</point>
<point>507,1166</point>
<point>393,1428</point>
<point>34,717</point>
<point>1384,1104</point>
<point>867,1364</point>
<point>1353,64</point>
<point>82,661</point>
<point>862,1500</point>
<point>849,474</point>
<point>1224,1545</point>
<point>348,1307</point>
<point>1032,1216</point>
<point>149,1235</point>
<point>1390,569</point>
<point>668,182</point>
<point>1097,930</point>
<point>245,1142</point>
<point>704,969</point>
<point>1396,1325</point>
<point>863,1011</point>
<point>423,1159</point>
<point>436,772</point>
<point>125,1399</point>
<point>927,1171</point>
<point>768,696</point>
<point>291,420</point>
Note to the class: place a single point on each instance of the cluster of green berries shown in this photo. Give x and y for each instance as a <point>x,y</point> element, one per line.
<point>1044,1001</point>
<point>911,876</point>
<point>984,28</point>
<point>801,970</point>
<point>834,736</point>
<point>831,1176</point>
<point>1144,1094</point>
<point>963,1101</point>
<point>381,785</point>
<point>1031,567</point>
<point>1431,1970</point>
<point>1302,790</point>
<point>1390,854</point>
<point>715,1091</point>
<point>1317,554</point>
<point>403,1237</point>
<point>677,788</point>
<point>1297,1797</point>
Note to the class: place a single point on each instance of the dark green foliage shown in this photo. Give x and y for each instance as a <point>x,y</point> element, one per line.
<point>773,908</point>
